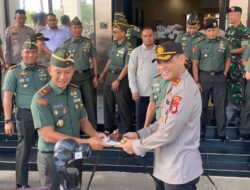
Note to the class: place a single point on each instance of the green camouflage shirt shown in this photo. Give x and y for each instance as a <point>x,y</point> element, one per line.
<point>237,37</point>
<point>132,35</point>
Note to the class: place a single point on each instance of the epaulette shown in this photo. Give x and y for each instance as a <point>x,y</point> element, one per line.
<point>201,39</point>
<point>73,85</point>
<point>222,38</point>
<point>157,76</point>
<point>45,90</point>
<point>43,66</point>
<point>86,38</point>
<point>13,29</point>
<point>14,66</point>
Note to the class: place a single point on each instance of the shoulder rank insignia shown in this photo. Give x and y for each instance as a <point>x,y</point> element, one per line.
<point>45,90</point>
<point>175,104</point>
<point>176,82</point>
<point>73,85</point>
<point>157,76</point>
<point>14,66</point>
<point>42,102</point>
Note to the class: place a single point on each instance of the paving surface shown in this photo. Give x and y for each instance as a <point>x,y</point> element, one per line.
<point>129,181</point>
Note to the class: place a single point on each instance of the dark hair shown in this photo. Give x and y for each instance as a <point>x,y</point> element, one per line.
<point>50,14</point>
<point>41,16</point>
<point>20,11</point>
<point>65,20</point>
<point>147,28</point>
<point>34,18</point>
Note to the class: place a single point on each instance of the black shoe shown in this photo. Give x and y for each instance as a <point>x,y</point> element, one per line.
<point>202,137</point>
<point>22,186</point>
<point>224,139</point>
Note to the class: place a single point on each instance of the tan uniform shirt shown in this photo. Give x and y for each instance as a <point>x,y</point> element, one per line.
<point>15,38</point>
<point>175,138</point>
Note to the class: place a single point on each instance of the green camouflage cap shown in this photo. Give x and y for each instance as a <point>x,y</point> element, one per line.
<point>61,59</point>
<point>119,15</point>
<point>28,44</point>
<point>76,21</point>
<point>121,24</point>
<point>193,19</point>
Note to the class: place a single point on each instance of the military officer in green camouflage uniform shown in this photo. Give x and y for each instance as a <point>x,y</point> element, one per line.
<point>116,88</point>
<point>189,38</point>
<point>22,81</point>
<point>211,62</point>
<point>238,36</point>
<point>159,87</point>
<point>83,51</point>
<point>58,112</point>
<point>133,33</point>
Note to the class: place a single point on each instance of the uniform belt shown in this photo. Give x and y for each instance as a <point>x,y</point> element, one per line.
<point>47,152</point>
<point>24,109</point>
<point>115,71</point>
<point>212,73</point>
<point>82,71</point>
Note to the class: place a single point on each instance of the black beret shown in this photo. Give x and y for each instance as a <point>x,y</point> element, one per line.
<point>235,9</point>
<point>211,23</point>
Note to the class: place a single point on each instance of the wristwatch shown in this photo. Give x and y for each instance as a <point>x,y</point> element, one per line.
<point>6,121</point>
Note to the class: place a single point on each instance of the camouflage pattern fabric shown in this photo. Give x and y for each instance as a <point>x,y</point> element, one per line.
<point>237,37</point>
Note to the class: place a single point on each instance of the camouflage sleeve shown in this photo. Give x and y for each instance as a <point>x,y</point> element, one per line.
<point>10,81</point>
<point>137,32</point>
<point>228,51</point>
<point>245,36</point>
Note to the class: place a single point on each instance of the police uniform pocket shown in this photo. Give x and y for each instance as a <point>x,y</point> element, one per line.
<point>14,38</point>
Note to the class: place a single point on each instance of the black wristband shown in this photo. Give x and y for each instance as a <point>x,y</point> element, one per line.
<point>6,121</point>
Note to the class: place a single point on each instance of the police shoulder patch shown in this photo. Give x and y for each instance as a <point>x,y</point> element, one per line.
<point>73,85</point>
<point>45,90</point>
<point>174,108</point>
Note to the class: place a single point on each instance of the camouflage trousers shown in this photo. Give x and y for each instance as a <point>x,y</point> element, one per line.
<point>236,83</point>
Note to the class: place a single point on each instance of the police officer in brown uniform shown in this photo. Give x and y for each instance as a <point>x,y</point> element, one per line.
<point>15,37</point>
